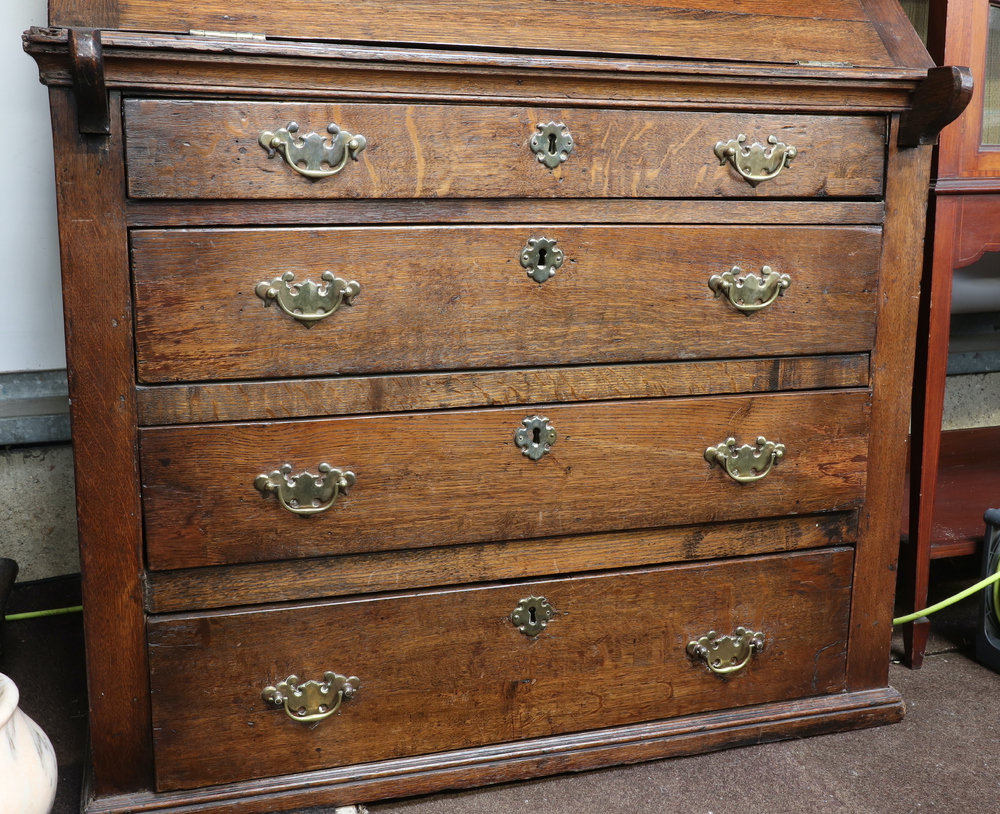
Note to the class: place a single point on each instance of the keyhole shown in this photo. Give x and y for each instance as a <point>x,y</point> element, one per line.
<point>536,438</point>
<point>552,143</point>
<point>541,256</point>
<point>531,615</point>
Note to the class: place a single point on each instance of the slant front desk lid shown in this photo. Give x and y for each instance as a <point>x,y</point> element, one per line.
<point>856,33</point>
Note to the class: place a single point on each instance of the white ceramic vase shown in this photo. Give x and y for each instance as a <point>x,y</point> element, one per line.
<point>27,760</point>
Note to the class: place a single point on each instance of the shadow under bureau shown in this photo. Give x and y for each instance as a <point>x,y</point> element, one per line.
<point>463,393</point>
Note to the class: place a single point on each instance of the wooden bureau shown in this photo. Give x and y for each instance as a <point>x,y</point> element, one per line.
<point>495,390</point>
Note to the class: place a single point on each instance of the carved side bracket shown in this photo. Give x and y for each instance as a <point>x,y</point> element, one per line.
<point>87,66</point>
<point>937,102</point>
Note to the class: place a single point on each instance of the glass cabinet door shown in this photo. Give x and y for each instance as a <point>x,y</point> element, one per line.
<point>970,146</point>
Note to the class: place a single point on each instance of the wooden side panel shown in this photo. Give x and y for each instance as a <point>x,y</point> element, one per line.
<point>892,376</point>
<point>210,150</point>
<point>707,29</point>
<point>458,297</point>
<point>448,669</point>
<point>90,189</point>
<point>446,478</point>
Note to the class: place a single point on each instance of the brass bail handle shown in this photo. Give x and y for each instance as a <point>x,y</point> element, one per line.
<point>756,163</point>
<point>725,655</point>
<point>308,154</point>
<point>311,701</point>
<point>308,302</point>
<point>746,463</point>
<point>305,494</point>
<point>750,293</point>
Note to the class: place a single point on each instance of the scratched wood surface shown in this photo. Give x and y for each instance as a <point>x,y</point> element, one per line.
<point>837,30</point>
<point>192,403</point>
<point>447,669</point>
<point>206,150</point>
<point>445,478</point>
<point>451,298</point>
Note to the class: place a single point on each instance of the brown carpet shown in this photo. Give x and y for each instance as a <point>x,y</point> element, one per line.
<point>944,757</point>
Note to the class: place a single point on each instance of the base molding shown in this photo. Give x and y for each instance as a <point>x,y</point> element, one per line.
<point>503,763</point>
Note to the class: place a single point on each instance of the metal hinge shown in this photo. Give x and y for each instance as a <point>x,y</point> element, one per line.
<point>227,35</point>
<point>824,64</point>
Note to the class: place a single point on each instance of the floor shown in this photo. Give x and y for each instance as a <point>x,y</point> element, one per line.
<point>943,757</point>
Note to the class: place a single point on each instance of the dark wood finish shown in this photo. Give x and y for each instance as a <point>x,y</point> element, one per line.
<point>445,505</point>
<point>445,478</point>
<point>533,758</point>
<point>938,101</point>
<point>444,298</point>
<point>195,589</point>
<point>968,479</point>
<point>90,184</point>
<point>706,29</point>
<point>302,398</point>
<point>88,81</point>
<point>898,36</point>
<point>892,375</point>
<point>613,654</point>
<point>182,149</point>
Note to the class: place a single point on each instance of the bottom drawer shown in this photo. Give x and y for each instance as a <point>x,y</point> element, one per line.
<point>449,669</point>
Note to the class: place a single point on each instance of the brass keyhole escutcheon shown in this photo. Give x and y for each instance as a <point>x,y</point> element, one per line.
<point>540,258</point>
<point>536,437</point>
<point>552,144</point>
<point>532,615</point>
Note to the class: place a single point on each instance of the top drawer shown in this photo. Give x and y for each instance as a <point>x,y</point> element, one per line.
<point>186,149</point>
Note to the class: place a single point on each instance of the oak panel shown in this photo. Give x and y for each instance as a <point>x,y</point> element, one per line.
<point>457,477</point>
<point>457,297</point>
<point>258,583</point>
<point>614,653</point>
<point>351,395</point>
<point>210,150</point>
<point>707,29</point>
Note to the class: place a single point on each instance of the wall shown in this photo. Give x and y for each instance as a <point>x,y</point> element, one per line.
<point>31,337</point>
<point>37,519</point>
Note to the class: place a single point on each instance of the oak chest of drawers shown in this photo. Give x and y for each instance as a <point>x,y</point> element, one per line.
<point>491,391</point>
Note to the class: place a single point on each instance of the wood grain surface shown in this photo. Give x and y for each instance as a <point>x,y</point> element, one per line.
<point>321,578</point>
<point>448,669</point>
<point>456,477</point>
<point>94,245</point>
<point>709,29</point>
<point>352,395</point>
<point>450,298</point>
<point>210,150</point>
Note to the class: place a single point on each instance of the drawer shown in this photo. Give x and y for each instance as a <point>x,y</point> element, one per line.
<point>445,478</point>
<point>433,298</point>
<point>450,669</point>
<point>188,149</point>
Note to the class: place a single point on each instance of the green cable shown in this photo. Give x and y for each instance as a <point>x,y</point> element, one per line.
<point>14,617</point>
<point>993,580</point>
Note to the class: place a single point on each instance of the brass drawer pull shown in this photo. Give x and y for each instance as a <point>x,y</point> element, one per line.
<point>541,258</point>
<point>552,144</point>
<point>726,654</point>
<point>532,615</point>
<point>750,293</point>
<point>746,463</point>
<point>536,437</point>
<point>313,700</point>
<point>305,494</point>
<point>308,302</point>
<point>312,151</point>
<point>756,163</point>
